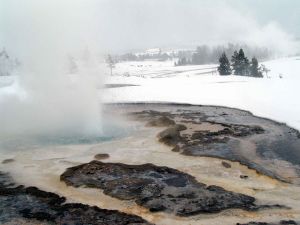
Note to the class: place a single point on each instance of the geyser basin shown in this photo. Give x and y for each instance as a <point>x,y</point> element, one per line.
<point>42,166</point>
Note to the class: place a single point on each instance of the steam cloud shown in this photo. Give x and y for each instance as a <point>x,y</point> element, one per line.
<point>41,34</point>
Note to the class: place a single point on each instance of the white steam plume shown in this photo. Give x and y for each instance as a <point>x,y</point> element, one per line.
<point>41,34</point>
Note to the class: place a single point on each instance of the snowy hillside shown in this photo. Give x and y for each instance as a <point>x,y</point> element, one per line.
<point>273,97</point>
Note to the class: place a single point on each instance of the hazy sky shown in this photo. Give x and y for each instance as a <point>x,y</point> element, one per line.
<point>121,25</point>
<point>285,12</point>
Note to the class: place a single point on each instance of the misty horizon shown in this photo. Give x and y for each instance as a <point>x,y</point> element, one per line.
<point>131,25</point>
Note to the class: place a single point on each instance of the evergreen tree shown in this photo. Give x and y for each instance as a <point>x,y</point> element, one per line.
<point>244,63</point>
<point>240,63</point>
<point>254,69</point>
<point>234,61</point>
<point>182,62</point>
<point>224,68</point>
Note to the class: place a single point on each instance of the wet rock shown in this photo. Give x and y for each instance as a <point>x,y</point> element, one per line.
<point>288,222</point>
<point>176,149</point>
<point>282,222</point>
<point>156,188</point>
<point>204,137</point>
<point>226,165</point>
<point>27,205</point>
<point>5,161</point>
<point>180,127</point>
<point>170,136</point>
<point>254,223</point>
<point>101,156</point>
<point>162,121</point>
<point>244,177</point>
<point>230,134</point>
<point>149,115</point>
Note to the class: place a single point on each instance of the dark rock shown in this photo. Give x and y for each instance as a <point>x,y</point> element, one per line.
<point>282,222</point>
<point>176,149</point>
<point>244,177</point>
<point>226,165</point>
<point>156,188</point>
<point>5,161</point>
<point>31,204</point>
<point>101,156</point>
<point>180,127</point>
<point>288,222</point>
<point>162,121</point>
<point>254,223</point>
<point>170,136</point>
<point>234,128</point>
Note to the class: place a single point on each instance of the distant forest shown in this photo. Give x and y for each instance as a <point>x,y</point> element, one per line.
<point>203,54</point>
<point>210,55</point>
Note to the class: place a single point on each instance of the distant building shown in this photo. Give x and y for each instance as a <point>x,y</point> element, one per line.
<point>153,51</point>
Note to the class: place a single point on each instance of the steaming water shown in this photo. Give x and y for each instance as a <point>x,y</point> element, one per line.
<point>35,112</point>
<point>17,143</point>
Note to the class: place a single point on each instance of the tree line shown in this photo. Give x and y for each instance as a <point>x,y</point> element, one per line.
<point>205,54</point>
<point>202,54</point>
<point>240,65</point>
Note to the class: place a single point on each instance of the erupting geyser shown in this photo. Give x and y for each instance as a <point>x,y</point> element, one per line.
<point>52,102</point>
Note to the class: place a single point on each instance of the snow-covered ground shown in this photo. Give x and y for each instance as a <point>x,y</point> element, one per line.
<point>273,97</point>
<point>157,69</point>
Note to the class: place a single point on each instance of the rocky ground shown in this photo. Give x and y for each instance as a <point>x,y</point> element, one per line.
<point>282,222</point>
<point>29,205</point>
<point>182,164</point>
<point>230,134</point>
<point>157,188</point>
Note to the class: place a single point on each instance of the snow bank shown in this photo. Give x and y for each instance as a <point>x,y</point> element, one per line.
<point>274,97</point>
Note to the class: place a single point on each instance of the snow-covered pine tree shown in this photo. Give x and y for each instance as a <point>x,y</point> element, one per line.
<point>244,63</point>
<point>240,63</point>
<point>235,63</point>
<point>254,69</point>
<point>224,67</point>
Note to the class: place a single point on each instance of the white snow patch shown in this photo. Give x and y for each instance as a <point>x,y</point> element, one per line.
<point>274,97</point>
